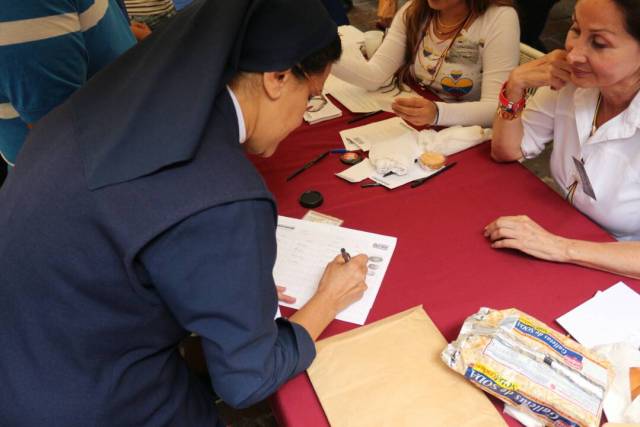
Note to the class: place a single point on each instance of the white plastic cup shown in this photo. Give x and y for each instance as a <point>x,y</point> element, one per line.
<point>372,41</point>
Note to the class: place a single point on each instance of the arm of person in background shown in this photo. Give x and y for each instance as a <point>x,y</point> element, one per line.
<point>39,74</point>
<point>214,271</point>
<point>527,136</point>
<point>140,30</point>
<point>501,55</point>
<point>371,75</point>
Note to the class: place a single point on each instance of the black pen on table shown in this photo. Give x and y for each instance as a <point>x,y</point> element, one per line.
<point>421,181</point>
<point>363,116</point>
<point>345,255</point>
<point>308,165</point>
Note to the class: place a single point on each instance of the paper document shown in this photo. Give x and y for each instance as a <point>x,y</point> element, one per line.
<point>394,181</point>
<point>360,100</point>
<point>305,248</point>
<point>618,402</point>
<point>365,169</point>
<point>358,172</point>
<point>609,317</point>
<point>363,137</point>
<point>327,112</point>
<point>315,216</point>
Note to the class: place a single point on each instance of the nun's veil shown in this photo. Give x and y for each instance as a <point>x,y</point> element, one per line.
<point>148,110</point>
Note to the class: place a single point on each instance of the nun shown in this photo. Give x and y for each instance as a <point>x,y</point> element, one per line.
<point>134,218</point>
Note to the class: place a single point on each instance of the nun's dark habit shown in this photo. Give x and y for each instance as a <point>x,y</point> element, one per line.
<point>133,218</point>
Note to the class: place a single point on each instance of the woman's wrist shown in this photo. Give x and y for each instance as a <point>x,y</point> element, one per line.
<point>508,109</point>
<point>324,301</point>
<point>514,89</point>
<point>436,114</point>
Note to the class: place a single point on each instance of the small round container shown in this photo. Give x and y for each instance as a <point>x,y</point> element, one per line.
<point>311,199</point>
<point>431,160</point>
<point>350,158</point>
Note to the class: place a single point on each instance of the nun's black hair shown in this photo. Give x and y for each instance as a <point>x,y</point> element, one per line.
<point>317,62</point>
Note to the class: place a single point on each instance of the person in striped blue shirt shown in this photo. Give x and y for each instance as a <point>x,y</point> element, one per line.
<point>48,49</point>
<point>147,15</point>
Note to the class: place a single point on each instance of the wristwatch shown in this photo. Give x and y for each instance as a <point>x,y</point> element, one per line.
<point>508,110</point>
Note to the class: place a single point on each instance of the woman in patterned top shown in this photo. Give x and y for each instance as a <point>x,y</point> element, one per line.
<point>460,49</point>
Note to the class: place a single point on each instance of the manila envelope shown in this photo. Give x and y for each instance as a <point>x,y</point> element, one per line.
<point>389,373</point>
<point>634,382</point>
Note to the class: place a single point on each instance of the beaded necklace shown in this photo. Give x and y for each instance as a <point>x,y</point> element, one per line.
<point>434,70</point>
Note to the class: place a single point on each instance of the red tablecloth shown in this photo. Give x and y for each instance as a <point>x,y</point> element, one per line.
<point>442,260</point>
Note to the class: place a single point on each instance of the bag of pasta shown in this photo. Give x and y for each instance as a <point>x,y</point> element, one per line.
<point>526,364</point>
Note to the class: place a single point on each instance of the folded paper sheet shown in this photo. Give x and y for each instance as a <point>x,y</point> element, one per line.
<point>389,373</point>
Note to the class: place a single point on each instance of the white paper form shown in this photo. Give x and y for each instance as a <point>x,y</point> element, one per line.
<point>360,100</point>
<point>327,112</point>
<point>305,248</point>
<point>610,316</point>
<point>358,172</point>
<point>394,181</point>
<point>365,169</point>
<point>365,136</point>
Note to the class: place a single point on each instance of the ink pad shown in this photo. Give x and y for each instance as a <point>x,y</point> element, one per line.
<point>350,158</point>
<point>311,199</point>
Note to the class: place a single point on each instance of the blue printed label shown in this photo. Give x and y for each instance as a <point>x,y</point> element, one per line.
<point>491,381</point>
<point>540,334</point>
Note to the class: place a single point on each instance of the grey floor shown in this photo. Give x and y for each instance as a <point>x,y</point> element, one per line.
<point>362,16</point>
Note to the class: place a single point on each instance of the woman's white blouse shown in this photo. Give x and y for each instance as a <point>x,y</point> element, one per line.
<point>611,155</point>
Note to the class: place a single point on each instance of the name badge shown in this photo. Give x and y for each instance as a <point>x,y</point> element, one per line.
<point>584,179</point>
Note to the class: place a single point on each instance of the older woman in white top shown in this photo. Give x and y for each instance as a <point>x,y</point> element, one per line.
<point>588,102</point>
<point>461,49</point>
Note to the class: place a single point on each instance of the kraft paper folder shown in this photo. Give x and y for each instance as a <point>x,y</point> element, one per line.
<point>389,373</point>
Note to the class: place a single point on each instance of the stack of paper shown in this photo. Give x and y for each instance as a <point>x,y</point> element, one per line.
<point>360,100</point>
<point>363,137</point>
<point>305,248</point>
<point>327,112</point>
<point>609,317</point>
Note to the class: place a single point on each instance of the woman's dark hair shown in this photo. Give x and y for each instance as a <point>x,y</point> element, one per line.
<point>317,62</point>
<point>630,10</point>
<point>417,18</point>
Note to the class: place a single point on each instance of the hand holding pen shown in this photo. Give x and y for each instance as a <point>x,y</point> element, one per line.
<point>342,283</point>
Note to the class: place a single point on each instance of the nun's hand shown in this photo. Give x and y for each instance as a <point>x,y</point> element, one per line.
<point>342,283</point>
<point>524,234</point>
<point>416,110</point>
<point>282,297</point>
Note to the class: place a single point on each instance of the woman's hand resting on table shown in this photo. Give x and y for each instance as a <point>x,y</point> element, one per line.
<point>524,234</point>
<point>416,110</point>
